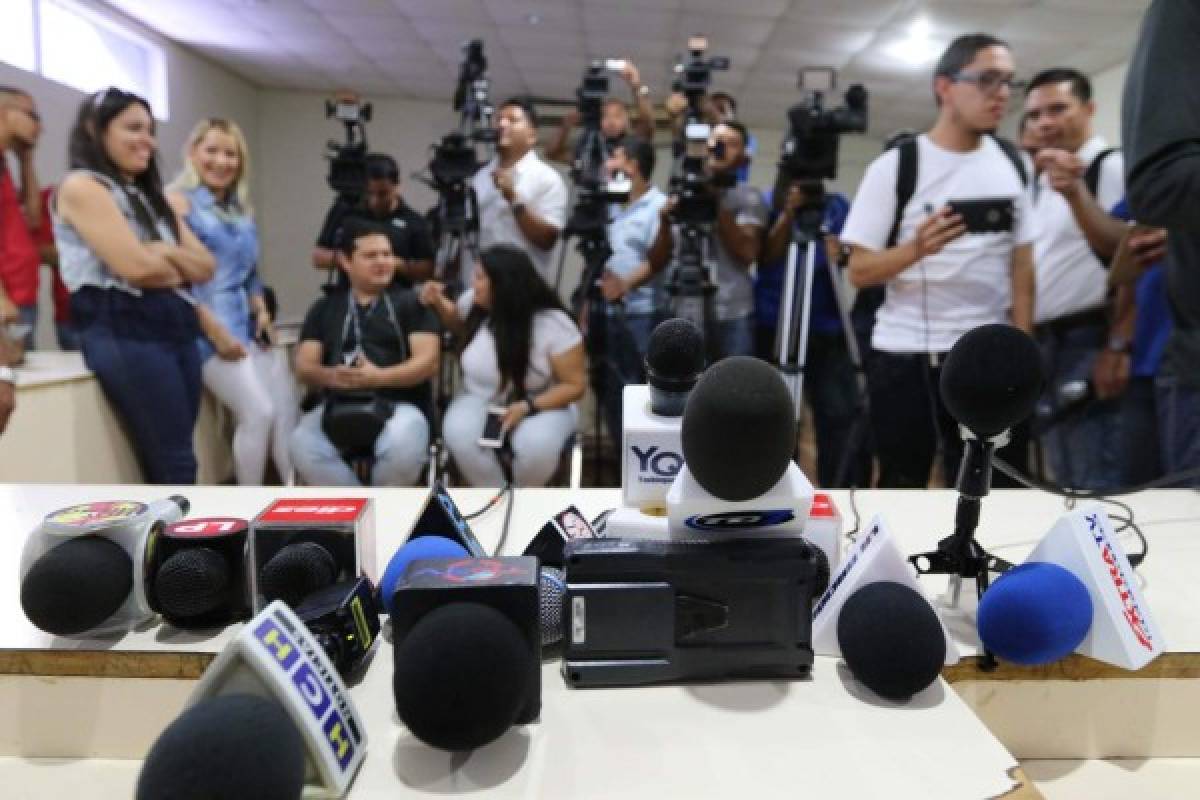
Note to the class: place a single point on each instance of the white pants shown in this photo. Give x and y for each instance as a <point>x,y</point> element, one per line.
<point>259,391</point>
<point>400,451</point>
<point>537,443</point>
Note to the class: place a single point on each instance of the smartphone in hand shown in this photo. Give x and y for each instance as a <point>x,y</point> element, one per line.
<point>493,433</point>
<point>985,214</point>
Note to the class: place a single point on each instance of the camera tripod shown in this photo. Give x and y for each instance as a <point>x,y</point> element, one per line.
<point>692,287</point>
<point>790,352</point>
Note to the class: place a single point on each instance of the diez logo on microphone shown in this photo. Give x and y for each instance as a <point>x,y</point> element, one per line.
<point>339,509</point>
<point>1130,610</point>
<point>656,466</point>
<point>737,520</point>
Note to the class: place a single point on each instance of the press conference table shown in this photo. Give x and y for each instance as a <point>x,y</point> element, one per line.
<point>76,715</point>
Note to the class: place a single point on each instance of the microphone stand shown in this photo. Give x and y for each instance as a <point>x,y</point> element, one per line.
<point>960,555</point>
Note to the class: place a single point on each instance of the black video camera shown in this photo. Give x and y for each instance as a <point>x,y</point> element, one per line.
<point>810,151</point>
<point>697,191</point>
<point>348,160</point>
<point>595,188</point>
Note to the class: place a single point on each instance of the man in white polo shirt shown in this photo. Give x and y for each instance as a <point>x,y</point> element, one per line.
<point>522,199</point>
<point>941,280</point>
<point>1081,177</point>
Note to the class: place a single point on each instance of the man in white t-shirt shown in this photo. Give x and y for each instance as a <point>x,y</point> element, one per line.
<point>941,281</point>
<point>522,199</point>
<point>1081,177</point>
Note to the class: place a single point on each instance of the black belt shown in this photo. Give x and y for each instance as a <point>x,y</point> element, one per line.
<point>1061,326</point>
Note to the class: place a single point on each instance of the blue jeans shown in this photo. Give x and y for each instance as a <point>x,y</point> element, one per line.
<point>1179,425</point>
<point>625,339</point>
<point>1085,449</point>
<point>28,315</point>
<point>143,353</point>
<point>736,336</point>
<point>1140,428</point>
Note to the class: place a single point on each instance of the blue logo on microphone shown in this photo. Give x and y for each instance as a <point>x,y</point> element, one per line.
<point>740,520</point>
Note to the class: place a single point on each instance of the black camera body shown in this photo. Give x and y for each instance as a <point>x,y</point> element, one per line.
<point>698,192</point>
<point>595,188</point>
<point>810,150</point>
<point>348,160</point>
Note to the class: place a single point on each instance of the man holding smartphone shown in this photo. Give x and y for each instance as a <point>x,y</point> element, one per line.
<point>943,276</point>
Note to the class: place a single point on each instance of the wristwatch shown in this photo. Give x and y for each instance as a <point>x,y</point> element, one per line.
<point>1119,344</point>
<point>8,375</point>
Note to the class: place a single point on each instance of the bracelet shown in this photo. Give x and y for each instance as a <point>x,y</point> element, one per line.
<point>532,408</point>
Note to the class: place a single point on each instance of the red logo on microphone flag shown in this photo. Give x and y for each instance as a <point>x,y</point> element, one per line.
<point>314,509</point>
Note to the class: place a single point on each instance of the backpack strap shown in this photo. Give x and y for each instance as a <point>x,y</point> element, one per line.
<point>906,183</point>
<point>1014,155</point>
<point>1091,178</point>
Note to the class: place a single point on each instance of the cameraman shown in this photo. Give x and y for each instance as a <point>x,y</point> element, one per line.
<point>631,316</point>
<point>614,122</point>
<point>522,199</point>
<point>736,240</point>
<point>941,281</point>
<point>1161,132</point>
<point>412,245</point>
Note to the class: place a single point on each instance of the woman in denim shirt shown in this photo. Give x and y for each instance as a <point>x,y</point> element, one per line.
<point>240,365</point>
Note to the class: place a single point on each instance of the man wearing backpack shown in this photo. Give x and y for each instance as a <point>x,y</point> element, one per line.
<point>1081,178</point>
<point>941,280</point>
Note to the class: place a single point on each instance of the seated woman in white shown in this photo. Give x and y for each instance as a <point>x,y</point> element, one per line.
<point>520,350</point>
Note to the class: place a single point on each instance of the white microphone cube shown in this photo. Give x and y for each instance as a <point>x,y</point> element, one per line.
<point>692,512</point>
<point>651,451</point>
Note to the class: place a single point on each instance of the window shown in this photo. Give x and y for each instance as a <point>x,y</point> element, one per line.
<point>16,35</point>
<point>72,44</point>
<point>88,52</point>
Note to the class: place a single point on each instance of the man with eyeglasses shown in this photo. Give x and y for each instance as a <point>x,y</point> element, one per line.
<point>941,279</point>
<point>1081,178</point>
<point>20,213</point>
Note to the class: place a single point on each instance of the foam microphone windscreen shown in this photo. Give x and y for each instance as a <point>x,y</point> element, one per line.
<point>297,571</point>
<point>415,549</point>
<point>1036,613</point>
<point>228,747</point>
<point>891,639</point>
<point>992,379</point>
<point>739,429</point>
<point>552,585</point>
<point>675,355</point>
<point>191,583</point>
<point>461,676</point>
<point>77,585</point>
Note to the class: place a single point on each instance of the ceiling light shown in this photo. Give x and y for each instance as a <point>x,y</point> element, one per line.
<point>533,18</point>
<point>918,47</point>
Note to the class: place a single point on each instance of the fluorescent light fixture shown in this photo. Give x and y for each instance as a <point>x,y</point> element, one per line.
<point>918,48</point>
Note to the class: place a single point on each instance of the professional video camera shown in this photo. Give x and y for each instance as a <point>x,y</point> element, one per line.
<point>348,160</point>
<point>690,182</point>
<point>810,151</point>
<point>595,188</point>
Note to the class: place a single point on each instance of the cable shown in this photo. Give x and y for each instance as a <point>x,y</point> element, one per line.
<point>850,534</point>
<point>508,509</point>
<point>490,503</point>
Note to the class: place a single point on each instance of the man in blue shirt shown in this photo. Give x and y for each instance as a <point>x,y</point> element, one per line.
<point>829,384</point>
<point>626,282</point>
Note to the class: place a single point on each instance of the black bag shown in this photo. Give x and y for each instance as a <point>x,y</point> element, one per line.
<point>354,420</point>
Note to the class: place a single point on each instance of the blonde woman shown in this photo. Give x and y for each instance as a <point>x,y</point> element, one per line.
<point>240,366</point>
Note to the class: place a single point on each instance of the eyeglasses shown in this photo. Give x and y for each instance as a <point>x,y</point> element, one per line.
<point>990,81</point>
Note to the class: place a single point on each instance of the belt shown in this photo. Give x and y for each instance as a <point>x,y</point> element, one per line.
<point>1061,326</point>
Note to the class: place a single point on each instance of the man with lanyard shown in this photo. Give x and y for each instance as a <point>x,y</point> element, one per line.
<point>627,282</point>
<point>412,244</point>
<point>1080,180</point>
<point>374,341</point>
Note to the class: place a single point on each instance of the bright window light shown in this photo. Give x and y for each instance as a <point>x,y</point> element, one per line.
<point>16,34</point>
<point>88,52</point>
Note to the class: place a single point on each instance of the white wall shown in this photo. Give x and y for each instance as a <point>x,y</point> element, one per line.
<point>198,88</point>
<point>1107,89</point>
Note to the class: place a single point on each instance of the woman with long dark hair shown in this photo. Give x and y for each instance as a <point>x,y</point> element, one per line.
<point>521,350</point>
<point>127,259</point>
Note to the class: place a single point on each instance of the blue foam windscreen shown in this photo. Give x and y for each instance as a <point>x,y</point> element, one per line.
<point>417,548</point>
<point>1036,613</point>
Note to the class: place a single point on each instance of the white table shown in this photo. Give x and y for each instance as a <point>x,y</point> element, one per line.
<point>822,737</point>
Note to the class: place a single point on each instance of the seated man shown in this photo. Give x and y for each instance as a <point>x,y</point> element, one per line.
<point>367,342</point>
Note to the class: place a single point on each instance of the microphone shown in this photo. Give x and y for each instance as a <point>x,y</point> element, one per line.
<point>547,546</point>
<point>345,621</point>
<point>269,718</point>
<point>304,544</point>
<point>419,548</point>
<point>738,478</point>
<point>552,587</point>
<point>441,517</point>
<point>650,446</point>
<point>198,572</point>
<point>1076,592</point>
<point>226,748</point>
<point>83,570</point>
<point>467,645</point>
<point>891,639</point>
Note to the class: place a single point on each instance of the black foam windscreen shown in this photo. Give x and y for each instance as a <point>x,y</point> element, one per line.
<point>675,355</point>
<point>461,676</point>
<point>297,571</point>
<point>992,379</point>
<point>739,429</point>
<point>229,747</point>
<point>191,582</point>
<point>891,639</point>
<point>552,585</point>
<point>77,585</point>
